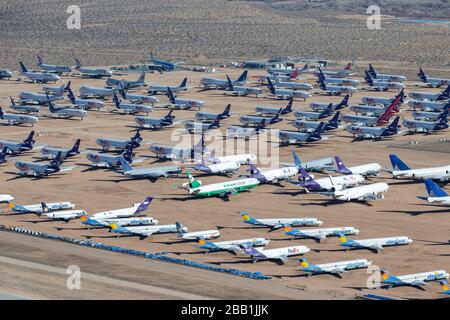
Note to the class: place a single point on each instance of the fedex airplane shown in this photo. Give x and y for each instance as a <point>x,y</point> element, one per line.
<point>432,82</point>
<point>334,268</point>
<point>286,93</point>
<point>289,75</point>
<point>202,115</point>
<point>292,137</point>
<point>432,106</point>
<point>66,112</point>
<point>287,71</point>
<point>184,103</point>
<point>86,91</point>
<point>15,147</point>
<point>120,144</point>
<point>311,126</point>
<point>137,98</point>
<point>384,101</point>
<point>6,198</point>
<point>414,280</point>
<point>242,91</point>
<point>233,246</point>
<point>130,108</point>
<point>331,183</point>
<point>280,254</point>
<point>430,116</point>
<point>293,85</point>
<point>444,95</point>
<point>382,85</point>
<point>321,106</point>
<point>64,215</point>
<point>401,170</point>
<point>155,123</point>
<point>65,153</point>
<point>92,72</point>
<point>277,223</point>
<point>248,120</point>
<point>208,82</point>
<point>155,88</point>
<point>333,89</point>
<point>150,173</point>
<point>386,77</point>
<point>36,77</point>
<point>24,108</point>
<point>369,169</point>
<point>170,152</point>
<point>127,84</point>
<point>244,158</point>
<point>319,234</point>
<point>441,123</point>
<point>435,194</point>
<point>363,193</point>
<point>136,209</point>
<point>14,118</point>
<point>102,160</point>
<point>312,115</point>
<point>200,126</point>
<point>271,111</point>
<point>343,73</point>
<point>84,103</point>
<point>40,98</point>
<point>376,244</point>
<point>318,165</point>
<point>51,67</point>
<point>163,64</point>
<point>39,169</point>
<point>342,81</point>
<point>273,176</point>
<point>367,110</point>
<point>364,132</point>
<point>196,235</point>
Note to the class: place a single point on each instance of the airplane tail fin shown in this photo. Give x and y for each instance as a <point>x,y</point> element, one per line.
<point>277,116</point>
<point>116,100</point>
<point>318,131</point>
<point>443,117</point>
<point>76,146</point>
<point>193,183</point>
<point>368,78</point>
<point>398,164</point>
<point>71,95</point>
<point>260,125</point>
<point>39,59</point>
<point>28,141</point>
<point>143,205</point>
<point>230,83</point>
<point>321,81</point>
<point>245,216</point>
<point>226,111</point>
<point>422,75</point>
<point>45,208</point>
<point>343,103</point>
<point>270,86</point>
<point>444,286</point>
<point>179,228</point>
<point>341,168</point>
<point>13,103</point>
<point>126,166</point>
<point>127,155</point>
<point>243,76</point>
<point>342,238</point>
<point>215,123</point>
<point>349,66</point>
<point>288,108</point>
<point>3,154</point>
<point>304,176</point>
<point>141,77</point>
<point>56,162</point>
<point>1,113</point>
<point>22,67</point>
<point>434,190</point>
<point>253,169</point>
<point>297,161</point>
<point>446,92</point>
<point>183,83</point>
<point>335,120</point>
<point>372,71</point>
<point>328,110</point>
<point>77,64</point>
<point>170,95</point>
<point>394,125</point>
<point>294,74</point>
<point>304,263</point>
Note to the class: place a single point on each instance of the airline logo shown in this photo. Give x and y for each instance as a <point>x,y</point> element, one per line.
<point>293,250</point>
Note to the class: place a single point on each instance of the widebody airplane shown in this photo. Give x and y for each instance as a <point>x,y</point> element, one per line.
<point>208,82</point>
<point>414,280</point>
<point>385,77</point>
<point>432,82</point>
<point>39,98</point>
<point>376,244</point>
<point>14,119</point>
<point>138,98</point>
<point>136,209</point>
<point>90,91</point>
<point>163,64</point>
<point>242,91</point>
<point>335,268</point>
<point>127,84</point>
<point>96,73</point>
<point>155,123</point>
<point>38,77</point>
<point>293,85</point>
<point>85,103</point>
<point>59,69</point>
<point>430,96</point>
<point>277,223</point>
<point>39,169</point>
<point>108,160</point>
<point>244,158</point>
<point>203,115</point>
<point>130,108</point>
<point>233,246</point>
<point>312,115</point>
<point>15,147</point>
<point>427,126</point>
<point>286,93</point>
<point>318,165</point>
<point>65,153</point>
<point>244,132</point>
<point>430,116</point>
<point>319,234</point>
<point>272,111</point>
<point>401,170</point>
<point>156,88</point>
<point>150,173</point>
<point>225,168</point>
<point>334,89</point>
<point>363,193</point>
<point>24,108</point>
<point>184,103</point>
<point>66,112</point>
<point>293,137</point>
<point>383,101</point>
<point>435,194</point>
<point>273,176</point>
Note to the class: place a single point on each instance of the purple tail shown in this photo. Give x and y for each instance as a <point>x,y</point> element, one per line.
<point>341,168</point>
<point>144,205</point>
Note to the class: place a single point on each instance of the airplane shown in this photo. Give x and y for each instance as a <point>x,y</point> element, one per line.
<point>84,103</point>
<point>196,235</point>
<point>331,183</point>
<point>334,268</point>
<point>285,94</point>
<point>242,91</point>
<point>184,103</point>
<point>200,116</point>
<point>444,286</point>
<point>384,101</point>
<point>155,88</point>
<point>311,126</point>
<point>39,98</point>
<point>273,176</point>
<point>5,73</point>
<point>24,107</point>
<point>430,96</point>
<point>233,246</point>
<point>96,73</point>
<point>289,137</point>
<point>430,116</point>
<point>65,153</point>
<point>376,244</point>
<point>130,108</point>
<point>292,85</point>
<point>155,123</point>
<point>244,132</point>
<point>146,231</point>
<point>367,110</point>
<point>59,90</point>
<point>13,118</point>
<point>292,73</point>
<point>36,77</point>
<point>432,82</point>
<point>343,73</point>
<point>39,169</point>
<point>110,161</point>
<point>208,82</point>
<point>120,222</point>
<point>321,106</point>
<point>244,158</point>
<point>435,193</point>
<point>120,144</point>
<point>318,165</point>
<point>427,126</point>
<point>248,120</point>
<point>277,223</point>
<point>341,81</point>
<point>278,254</point>
<point>333,89</point>
<point>127,84</point>
<point>225,168</point>
<point>415,280</point>
<point>66,112</point>
<point>220,189</point>
<point>170,152</point>
<point>363,193</point>
<point>64,215</point>
<point>51,67</point>
<point>387,77</point>
<point>86,91</point>
<point>319,234</point>
<point>363,132</point>
<point>311,115</point>
<point>271,111</point>
<point>3,153</point>
<point>163,64</point>
<point>288,76</point>
<point>37,208</point>
<point>200,126</point>
<point>401,170</point>
<point>151,173</point>
<point>382,85</point>
<point>137,98</point>
<point>6,198</point>
<point>135,210</point>
<point>14,147</point>
<point>368,169</point>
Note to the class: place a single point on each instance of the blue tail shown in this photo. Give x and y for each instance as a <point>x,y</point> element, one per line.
<point>126,166</point>
<point>288,108</point>
<point>243,76</point>
<point>3,154</point>
<point>28,142</point>
<point>230,83</point>
<point>226,111</point>
<point>394,125</point>
<point>398,164</point>
<point>434,190</point>
<point>328,110</point>
<point>297,161</point>
<point>270,86</point>
<point>317,132</point>
<point>422,75</point>
<point>171,95</point>
<point>443,117</point>
<point>22,67</point>
<point>446,92</point>
<point>39,59</point>
<point>183,83</point>
<point>116,100</point>
<point>56,162</point>
<point>71,95</point>
<point>141,77</point>
<point>343,103</point>
<point>76,147</point>
<point>179,228</point>
<point>368,78</point>
<point>335,120</point>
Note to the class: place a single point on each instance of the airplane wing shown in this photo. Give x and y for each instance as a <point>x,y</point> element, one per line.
<point>319,237</point>
<point>376,247</point>
<point>418,283</point>
<point>283,258</point>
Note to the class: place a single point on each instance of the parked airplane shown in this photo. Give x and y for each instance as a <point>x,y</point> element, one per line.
<point>39,98</point>
<point>401,170</point>
<point>342,81</point>
<point>14,147</point>
<point>5,73</point>
<point>225,168</point>
<point>244,158</point>
<point>367,110</point>
<point>202,115</point>
<point>127,84</point>
<point>333,89</point>
<point>334,268</point>
<point>130,108</point>
<point>233,246</point>
<point>311,126</point>
<point>292,85</point>
<point>432,82</point>
<point>376,244</point>
<point>279,254</point>
<point>184,103</point>
<point>136,209</point>
<point>343,73</point>
<point>430,116</point>
<point>363,193</point>
<point>273,176</point>
<point>65,153</point>
<point>200,126</point>
<point>138,98</point>
<point>321,106</point>
<point>244,132</point>
<point>163,64</point>
<point>110,161</point>
<point>91,72</point>
<point>39,169</point>
<point>369,169</point>
<point>287,93</point>
<point>319,234</point>
<point>13,118</point>
<point>414,280</point>
<point>3,153</point>
<point>155,88</point>
<point>155,123</point>
<point>331,183</point>
<point>51,67</point>
<point>58,90</point>
<point>277,223</point>
<point>37,208</point>
<point>145,231</point>
<point>25,108</point>
<point>121,222</point>
<point>242,91</point>
<point>444,95</point>
<point>196,235</point>
<point>170,152</point>
<point>248,120</point>
<point>435,193</point>
<point>64,215</point>
<point>84,103</point>
<point>384,101</point>
<point>66,112</point>
<point>208,82</point>
<point>363,132</point>
<point>387,77</point>
<point>37,77</point>
<point>292,73</point>
<point>6,198</point>
<point>427,126</point>
<point>312,115</point>
<point>318,165</point>
<point>272,111</point>
<point>120,144</point>
<point>293,137</point>
<point>151,173</point>
<point>382,85</point>
<point>89,91</point>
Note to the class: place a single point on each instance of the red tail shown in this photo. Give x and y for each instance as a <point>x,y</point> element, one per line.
<point>349,66</point>
<point>390,111</point>
<point>294,74</point>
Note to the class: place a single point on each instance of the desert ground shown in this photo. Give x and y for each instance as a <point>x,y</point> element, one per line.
<point>400,213</point>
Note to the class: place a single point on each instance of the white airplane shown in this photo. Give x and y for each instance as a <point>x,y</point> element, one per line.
<point>423,126</point>
<point>130,108</point>
<point>24,108</point>
<point>155,123</point>
<point>201,116</point>
<point>84,103</point>
<point>287,93</point>
<point>102,160</point>
<point>273,176</point>
<point>386,77</point>
<point>233,246</point>
<point>244,132</point>
<point>382,85</point>
<point>295,137</point>
<point>137,98</point>
<point>431,96</point>
<point>333,89</point>
<point>318,165</point>
<point>293,85</point>
<point>342,81</point>
<point>195,235</point>
<point>208,82</point>
<point>271,111</point>
<point>184,103</point>
<point>430,116</point>
<point>242,91</point>
<point>6,198</point>
<point>51,67</point>
<point>334,268</point>
<point>375,244</point>
<point>154,88</point>
<point>241,158</point>
<point>146,231</point>
<point>66,112</point>
<point>86,91</point>
<point>35,77</point>
<point>402,170</point>
<point>321,106</point>
<point>250,120</point>
<point>38,98</point>
<point>319,234</point>
<point>37,208</point>
<point>136,209</point>
<point>15,147</point>
<point>367,110</point>
<point>92,72</point>
<point>51,152</point>
<point>364,132</point>
<point>279,254</point>
<point>415,280</point>
<point>432,82</point>
<point>364,193</point>
<point>331,183</point>
<point>223,168</point>
<point>343,73</point>
<point>435,194</point>
<point>277,223</point>
<point>64,215</point>
<point>120,222</point>
<point>369,169</point>
<point>120,144</point>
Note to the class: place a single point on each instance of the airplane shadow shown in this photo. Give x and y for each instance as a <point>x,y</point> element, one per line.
<point>416,213</point>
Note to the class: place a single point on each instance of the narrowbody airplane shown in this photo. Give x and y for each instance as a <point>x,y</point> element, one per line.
<point>24,108</point>
<point>277,223</point>
<point>138,98</point>
<point>242,91</point>
<point>120,144</point>
<point>203,115</point>
<point>382,85</point>
<point>334,89</point>
<point>435,194</point>
<point>271,111</point>
<point>184,103</point>
<point>321,106</point>
<point>200,126</point>
<point>401,170</point>
<point>39,169</point>
<point>15,147</point>
<point>163,64</point>
<point>6,198</point>
<point>108,160</point>
<point>279,254</point>
<point>384,101</point>
<point>363,193</point>
<point>156,88</point>
<point>38,77</point>
<point>248,120</point>
<point>368,169</point>
<point>136,209</point>
<point>155,123</point>
<point>5,73</point>
<point>127,84</point>
<point>432,82</point>
<point>293,85</point>
<point>285,94</point>
<point>90,91</point>
<point>319,234</point>
<point>312,115</point>
<point>343,73</point>
<point>84,103</point>
<point>331,183</point>
<point>37,208</point>
<point>150,173</point>
<point>130,108</point>
<point>170,152</point>
<point>14,119</point>
<point>3,153</point>
<point>120,222</point>
<point>225,168</point>
<point>415,280</point>
<point>244,158</point>
<point>51,67</point>
<point>311,126</point>
<point>293,137</point>
<point>208,82</point>
<point>387,77</point>
<point>96,73</point>
<point>376,244</point>
<point>363,132</point>
<point>444,95</point>
<point>146,231</point>
<point>273,176</point>
<point>367,110</point>
<point>66,112</point>
<point>64,215</point>
<point>195,235</point>
<point>341,81</point>
<point>233,246</point>
<point>65,153</point>
<point>334,268</point>
<point>244,132</point>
